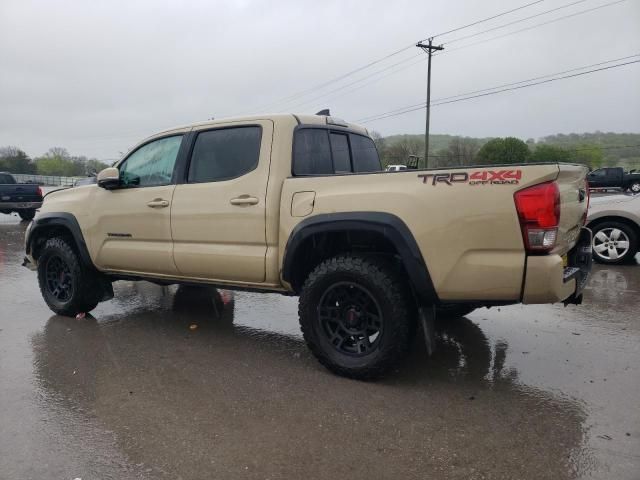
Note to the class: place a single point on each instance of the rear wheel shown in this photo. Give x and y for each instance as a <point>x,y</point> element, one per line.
<point>356,316</point>
<point>67,286</point>
<point>614,243</point>
<point>27,214</point>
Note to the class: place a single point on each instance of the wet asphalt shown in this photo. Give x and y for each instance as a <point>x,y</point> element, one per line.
<point>136,392</point>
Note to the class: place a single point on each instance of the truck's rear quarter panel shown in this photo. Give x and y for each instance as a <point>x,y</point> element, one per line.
<point>469,234</point>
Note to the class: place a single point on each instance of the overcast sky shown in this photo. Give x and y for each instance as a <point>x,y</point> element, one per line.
<point>98,76</point>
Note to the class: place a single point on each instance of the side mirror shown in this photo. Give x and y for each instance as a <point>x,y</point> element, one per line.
<point>109,178</point>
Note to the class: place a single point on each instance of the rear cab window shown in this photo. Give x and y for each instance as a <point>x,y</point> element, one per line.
<point>323,151</point>
<point>6,179</point>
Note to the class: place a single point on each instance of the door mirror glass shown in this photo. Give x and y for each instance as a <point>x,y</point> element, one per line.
<point>109,178</point>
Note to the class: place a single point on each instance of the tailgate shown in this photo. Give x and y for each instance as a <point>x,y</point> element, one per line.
<point>19,193</point>
<point>573,205</point>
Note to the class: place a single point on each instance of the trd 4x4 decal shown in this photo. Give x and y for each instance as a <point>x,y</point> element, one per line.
<point>481,177</point>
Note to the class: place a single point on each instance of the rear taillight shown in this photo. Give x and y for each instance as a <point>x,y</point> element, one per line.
<point>39,191</point>
<point>539,214</point>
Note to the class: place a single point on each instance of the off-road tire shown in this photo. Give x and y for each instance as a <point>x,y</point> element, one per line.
<point>631,234</point>
<point>454,310</point>
<point>27,214</point>
<point>85,287</point>
<point>386,287</point>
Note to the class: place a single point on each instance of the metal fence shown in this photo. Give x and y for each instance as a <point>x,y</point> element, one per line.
<point>52,180</point>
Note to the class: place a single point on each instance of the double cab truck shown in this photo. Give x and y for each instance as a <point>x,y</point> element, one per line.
<point>615,177</point>
<point>22,198</point>
<point>299,204</point>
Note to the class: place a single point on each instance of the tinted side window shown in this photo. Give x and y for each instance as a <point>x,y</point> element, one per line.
<point>152,164</point>
<point>599,173</point>
<point>224,154</point>
<point>340,150</point>
<point>365,155</point>
<point>312,154</point>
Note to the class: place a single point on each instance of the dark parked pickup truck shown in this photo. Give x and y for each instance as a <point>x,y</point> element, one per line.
<point>614,177</point>
<point>23,198</point>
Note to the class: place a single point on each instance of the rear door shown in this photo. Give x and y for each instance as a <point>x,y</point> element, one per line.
<point>218,211</point>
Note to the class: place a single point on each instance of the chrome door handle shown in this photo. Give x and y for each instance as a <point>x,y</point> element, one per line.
<point>158,203</point>
<point>244,200</point>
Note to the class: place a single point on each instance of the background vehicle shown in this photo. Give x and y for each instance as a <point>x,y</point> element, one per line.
<point>395,168</point>
<point>85,181</point>
<point>614,177</point>
<point>23,198</point>
<point>615,223</point>
<point>299,205</point>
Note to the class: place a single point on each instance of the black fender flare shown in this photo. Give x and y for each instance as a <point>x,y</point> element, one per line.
<point>388,225</point>
<point>68,221</point>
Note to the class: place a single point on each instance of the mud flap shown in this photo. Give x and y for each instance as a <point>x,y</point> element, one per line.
<point>427,316</point>
<point>107,289</point>
<point>579,266</point>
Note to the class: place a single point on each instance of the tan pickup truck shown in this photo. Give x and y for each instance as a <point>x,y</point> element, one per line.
<point>298,204</point>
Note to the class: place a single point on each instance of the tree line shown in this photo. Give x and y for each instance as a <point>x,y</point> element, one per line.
<point>594,150</point>
<point>57,161</point>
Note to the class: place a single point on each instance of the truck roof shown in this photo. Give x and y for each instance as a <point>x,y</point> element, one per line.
<point>301,119</point>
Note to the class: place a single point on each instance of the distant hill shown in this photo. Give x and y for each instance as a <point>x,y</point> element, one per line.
<point>618,149</point>
<point>436,141</point>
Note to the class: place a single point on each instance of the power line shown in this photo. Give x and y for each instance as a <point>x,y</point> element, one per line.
<point>505,85</point>
<point>465,46</point>
<point>413,57</point>
<point>381,59</point>
<point>575,14</point>
<point>483,20</point>
<point>516,21</point>
<point>408,110</point>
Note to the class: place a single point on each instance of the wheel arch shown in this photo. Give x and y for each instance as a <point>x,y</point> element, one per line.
<point>48,225</point>
<point>615,218</point>
<point>324,235</point>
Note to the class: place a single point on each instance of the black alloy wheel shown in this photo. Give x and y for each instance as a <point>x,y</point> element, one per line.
<point>350,318</point>
<point>59,280</point>
<point>357,315</point>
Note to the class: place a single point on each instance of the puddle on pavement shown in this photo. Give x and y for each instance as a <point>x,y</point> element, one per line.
<point>548,388</point>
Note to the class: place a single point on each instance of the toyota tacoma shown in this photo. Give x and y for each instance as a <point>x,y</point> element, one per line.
<point>299,204</point>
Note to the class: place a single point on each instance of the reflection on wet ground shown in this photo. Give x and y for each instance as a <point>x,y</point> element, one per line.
<point>136,391</point>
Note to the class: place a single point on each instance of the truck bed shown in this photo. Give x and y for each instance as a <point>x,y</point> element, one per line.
<point>464,219</point>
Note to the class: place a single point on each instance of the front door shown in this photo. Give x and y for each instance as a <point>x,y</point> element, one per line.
<point>133,222</point>
<point>218,213</point>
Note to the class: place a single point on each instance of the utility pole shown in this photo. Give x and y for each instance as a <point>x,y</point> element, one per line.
<point>429,48</point>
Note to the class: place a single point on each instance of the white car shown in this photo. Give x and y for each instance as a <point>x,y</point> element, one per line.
<point>396,168</point>
<point>615,223</point>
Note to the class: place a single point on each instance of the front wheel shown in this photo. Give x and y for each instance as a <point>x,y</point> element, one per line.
<point>614,243</point>
<point>356,316</point>
<point>634,187</point>
<point>67,286</point>
<point>27,214</point>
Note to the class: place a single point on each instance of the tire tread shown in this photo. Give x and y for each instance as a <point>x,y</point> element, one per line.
<point>384,277</point>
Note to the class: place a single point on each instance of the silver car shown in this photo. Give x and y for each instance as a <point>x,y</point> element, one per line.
<point>615,222</point>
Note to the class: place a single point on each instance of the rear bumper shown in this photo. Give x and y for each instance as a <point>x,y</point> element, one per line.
<point>19,205</point>
<point>548,280</point>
